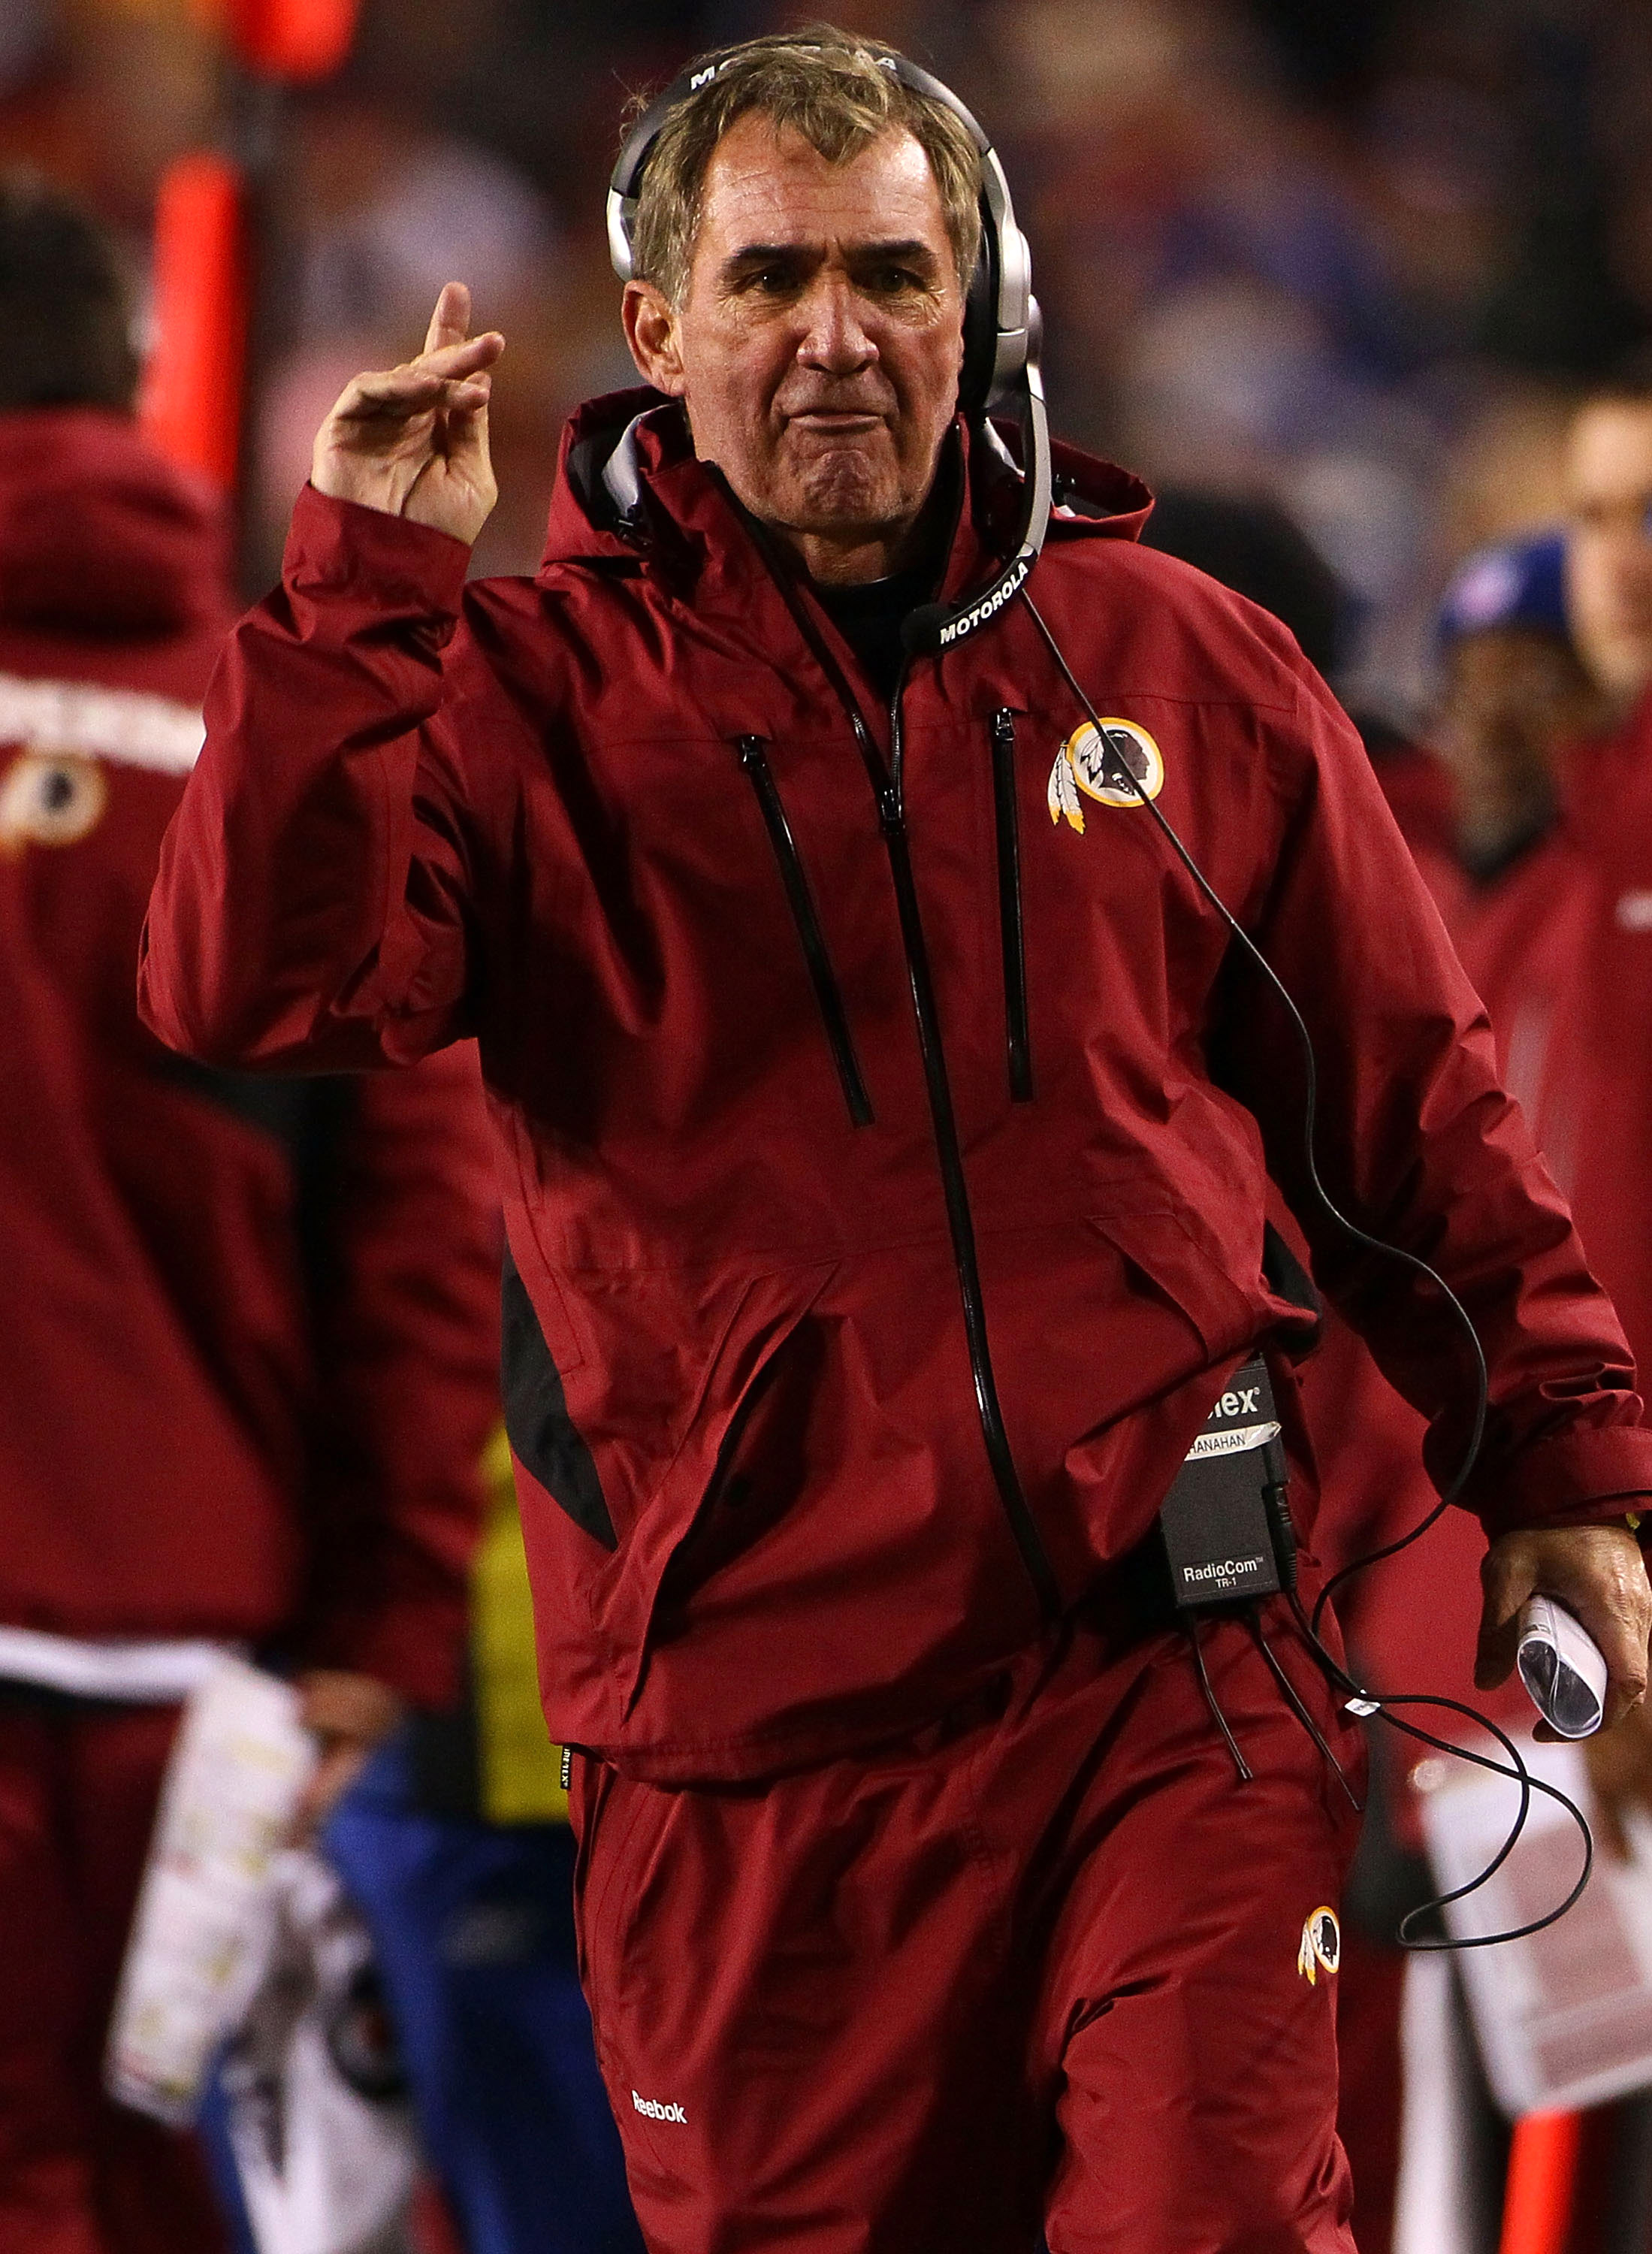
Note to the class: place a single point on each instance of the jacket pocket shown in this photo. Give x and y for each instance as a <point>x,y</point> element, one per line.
<point>754,756</point>
<point>542,1435</point>
<point>1099,1324</point>
<point>1171,1254</point>
<point>670,1551</point>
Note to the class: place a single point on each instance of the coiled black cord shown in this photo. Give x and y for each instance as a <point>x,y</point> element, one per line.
<point>1359,1700</point>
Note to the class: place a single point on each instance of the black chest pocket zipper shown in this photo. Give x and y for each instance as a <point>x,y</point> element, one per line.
<point>753,757</point>
<point>1017,1038</point>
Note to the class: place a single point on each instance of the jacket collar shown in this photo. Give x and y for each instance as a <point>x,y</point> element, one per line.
<point>630,492</point>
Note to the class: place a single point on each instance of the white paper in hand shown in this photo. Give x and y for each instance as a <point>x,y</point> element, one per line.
<point>205,1916</point>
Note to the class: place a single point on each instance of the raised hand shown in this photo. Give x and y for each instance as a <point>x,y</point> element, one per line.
<point>413,440</point>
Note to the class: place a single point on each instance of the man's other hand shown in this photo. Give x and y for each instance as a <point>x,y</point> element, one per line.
<point>1599,1574</point>
<point>349,1716</point>
<point>413,440</point>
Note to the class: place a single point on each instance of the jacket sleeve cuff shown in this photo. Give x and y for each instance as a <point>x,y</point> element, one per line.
<point>1574,1479</point>
<point>407,567</point>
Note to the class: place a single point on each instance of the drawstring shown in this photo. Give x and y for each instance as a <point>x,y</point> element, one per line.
<point>1288,1690</point>
<point>1301,1711</point>
<point>1191,1624</point>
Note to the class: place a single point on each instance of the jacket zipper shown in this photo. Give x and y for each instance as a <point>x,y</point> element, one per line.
<point>1018,1038</point>
<point>959,1221</point>
<point>753,755</point>
<point>886,782</point>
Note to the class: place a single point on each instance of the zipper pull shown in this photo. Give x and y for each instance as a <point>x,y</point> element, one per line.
<point>1017,1038</point>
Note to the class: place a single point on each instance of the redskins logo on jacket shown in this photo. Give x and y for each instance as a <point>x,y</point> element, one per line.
<point>1086,764</point>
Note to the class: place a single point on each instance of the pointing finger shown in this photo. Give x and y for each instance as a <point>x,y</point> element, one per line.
<point>450,321</point>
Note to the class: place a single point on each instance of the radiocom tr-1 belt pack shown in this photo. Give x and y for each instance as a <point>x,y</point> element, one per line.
<point>1224,1523</point>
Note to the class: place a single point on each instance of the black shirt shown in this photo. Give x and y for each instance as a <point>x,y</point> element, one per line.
<point>869,613</point>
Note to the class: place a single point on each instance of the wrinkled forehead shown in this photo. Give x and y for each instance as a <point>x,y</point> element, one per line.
<point>769,187</point>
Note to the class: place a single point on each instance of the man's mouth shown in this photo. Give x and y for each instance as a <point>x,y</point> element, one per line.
<point>838,420</point>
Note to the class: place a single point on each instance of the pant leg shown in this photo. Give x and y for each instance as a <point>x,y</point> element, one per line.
<point>1050,1955</point>
<point>1186,2039</point>
<point>473,1925</point>
<point>802,2010</point>
<point>79,1786</point>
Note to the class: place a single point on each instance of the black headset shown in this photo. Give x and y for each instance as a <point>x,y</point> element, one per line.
<point>1001,329</point>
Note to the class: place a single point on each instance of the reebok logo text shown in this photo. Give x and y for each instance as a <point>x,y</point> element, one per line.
<point>656,2111</point>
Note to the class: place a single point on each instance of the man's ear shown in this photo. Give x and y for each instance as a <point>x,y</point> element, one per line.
<point>651,332</point>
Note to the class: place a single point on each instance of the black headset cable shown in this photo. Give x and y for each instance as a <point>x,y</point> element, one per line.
<point>1358,1700</point>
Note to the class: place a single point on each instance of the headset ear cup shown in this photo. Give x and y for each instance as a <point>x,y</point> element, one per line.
<point>980,329</point>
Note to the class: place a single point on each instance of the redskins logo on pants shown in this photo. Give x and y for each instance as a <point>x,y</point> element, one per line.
<point>1321,1944</point>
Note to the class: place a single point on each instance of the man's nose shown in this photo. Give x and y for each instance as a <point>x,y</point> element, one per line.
<point>835,336</point>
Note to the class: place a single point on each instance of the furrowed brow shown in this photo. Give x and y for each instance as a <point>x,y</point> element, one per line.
<point>911,250</point>
<point>907,250</point>
<point>769,254</point>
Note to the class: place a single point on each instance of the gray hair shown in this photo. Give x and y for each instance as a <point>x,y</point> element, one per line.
<point>827,85</point>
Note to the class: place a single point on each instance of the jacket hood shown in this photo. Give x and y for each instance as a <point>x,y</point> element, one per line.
<point>100,532</point>
<point>605,503</point>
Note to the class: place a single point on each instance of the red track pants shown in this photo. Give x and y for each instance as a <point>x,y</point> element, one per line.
<point>79,2175</point>
<point>1039,1964</point>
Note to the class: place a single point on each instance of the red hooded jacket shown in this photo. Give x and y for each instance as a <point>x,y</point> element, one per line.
<point>248,1326</point>
<point>884,1124</point>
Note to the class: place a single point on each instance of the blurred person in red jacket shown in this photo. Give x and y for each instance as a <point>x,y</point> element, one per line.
<point>1599,1077</point>
<point>249,1326</point>
<point>1607,1045</point>
<point>1547,728</point>
<point>1508,875</point>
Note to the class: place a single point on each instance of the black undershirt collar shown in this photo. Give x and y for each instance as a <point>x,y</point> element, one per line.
<point>869,614</point>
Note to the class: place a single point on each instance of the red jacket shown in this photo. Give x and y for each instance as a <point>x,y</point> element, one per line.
<point>751,1023</point>
<point>186,1448</point>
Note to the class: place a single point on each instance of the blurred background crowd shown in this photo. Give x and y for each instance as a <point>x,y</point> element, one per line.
<point>1351,256</point>
<point>1335,278</point>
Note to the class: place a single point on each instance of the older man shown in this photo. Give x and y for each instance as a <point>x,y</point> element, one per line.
<point>885,1134</point>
